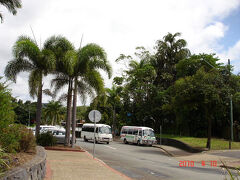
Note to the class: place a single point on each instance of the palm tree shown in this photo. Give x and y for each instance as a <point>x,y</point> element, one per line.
<point>113,99</point>
<point>11,5</point>
<point>78,70</point>
<point>53,112</point>
<point>170,51</point>
<point>87,78</point>
<point>28,57</point>
<point>66,59</point>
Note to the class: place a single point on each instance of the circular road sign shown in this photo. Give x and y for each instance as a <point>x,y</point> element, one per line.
<point>94,116</point>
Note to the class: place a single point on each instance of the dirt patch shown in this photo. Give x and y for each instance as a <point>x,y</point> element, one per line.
<point>17,159</point>
<point>64,148</point>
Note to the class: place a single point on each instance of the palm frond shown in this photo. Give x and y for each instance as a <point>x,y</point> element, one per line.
<point>48,61</point>
<point>69,61</point>
<point>48,92</point>
<point>95,57</point>
<point>25,47</point>
<point>16,66</point>
<point>59,82</point>
<point>84,89</point>
<point>59,45</point>
<point>1,17</point>
<point>63,98</point>
<point>11,5</point>
<point>95,80</point>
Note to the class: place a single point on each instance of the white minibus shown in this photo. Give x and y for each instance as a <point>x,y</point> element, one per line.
<point>138,135</point>
<point>103,132</point>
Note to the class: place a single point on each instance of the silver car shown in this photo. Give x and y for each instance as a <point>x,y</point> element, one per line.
<point>59,135</point>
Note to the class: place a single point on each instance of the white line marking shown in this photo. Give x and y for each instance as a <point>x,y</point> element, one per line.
<point>110,147</point>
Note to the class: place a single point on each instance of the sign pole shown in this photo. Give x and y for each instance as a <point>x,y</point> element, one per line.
<point>94,116</point>
<point>94,134</point>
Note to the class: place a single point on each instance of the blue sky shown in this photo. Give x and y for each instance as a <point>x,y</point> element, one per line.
<point>232,35</point>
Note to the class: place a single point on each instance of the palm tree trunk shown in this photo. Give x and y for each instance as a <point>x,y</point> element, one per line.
<point>74,112</point>
<point>39,108</point>
<point>68,120</point>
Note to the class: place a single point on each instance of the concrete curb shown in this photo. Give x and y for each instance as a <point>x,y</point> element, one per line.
<point>230,167</point>
<point>172,155</point>
<point>166,152</point>
<point>63,149</point>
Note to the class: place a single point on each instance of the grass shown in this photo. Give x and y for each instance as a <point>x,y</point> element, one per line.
<point>216,144</point>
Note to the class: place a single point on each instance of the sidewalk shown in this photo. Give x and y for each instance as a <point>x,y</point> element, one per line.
<point>62,165</point>
<point>205,156</point>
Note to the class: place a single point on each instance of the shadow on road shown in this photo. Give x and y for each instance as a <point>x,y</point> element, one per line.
<point>151,151</point>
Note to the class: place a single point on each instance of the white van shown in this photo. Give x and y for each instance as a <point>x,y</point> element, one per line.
<point>138,135</point>
<point>103,132</point>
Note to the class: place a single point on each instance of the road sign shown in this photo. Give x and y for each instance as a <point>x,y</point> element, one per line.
<point>94,116</point>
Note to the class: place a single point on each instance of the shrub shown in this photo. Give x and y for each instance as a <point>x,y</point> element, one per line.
<point>17,138</point>
<point>6,106</point>
<point>3,161</point>
<point>27,140</point>
<point>46,139</point>
<point>9,138</point>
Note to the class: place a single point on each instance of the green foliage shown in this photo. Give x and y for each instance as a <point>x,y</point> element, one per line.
<point>81,111</point>
<point>6,107</point>
<point>28,57</point>
<point>3,161</point>
<point>170,51</point>
<point>27,140</point>
<point>46,139</point>
<point>24,111</point>
<point>17,138</point>
<point>53,113</point>
<point>186,94</point>
<point>189,66</point>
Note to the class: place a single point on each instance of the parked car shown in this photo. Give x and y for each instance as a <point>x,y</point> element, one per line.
<point>59,134</point>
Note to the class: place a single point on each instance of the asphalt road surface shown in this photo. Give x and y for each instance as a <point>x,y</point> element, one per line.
<point>144,162</point>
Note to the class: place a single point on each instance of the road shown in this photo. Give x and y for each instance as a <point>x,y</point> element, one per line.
<point>143,162</point>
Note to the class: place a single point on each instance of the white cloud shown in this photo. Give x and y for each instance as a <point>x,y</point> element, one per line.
<point>232,53</point>
<point>118,26</point>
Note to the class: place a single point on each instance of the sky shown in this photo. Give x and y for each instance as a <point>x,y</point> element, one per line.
<point>119,26</point>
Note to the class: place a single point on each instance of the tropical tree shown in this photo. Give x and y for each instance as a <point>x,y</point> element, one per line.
<point>29,57</point>
<point>79,70</point>
<point>11,5</point>
<point>200,96</point>
<point>87,78</point>
<point>65,60</point>
<point>25,112</point>
<point>169,52</point>
<point>53,112</point>
<point>137,85</point>
<point>113,98</point>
